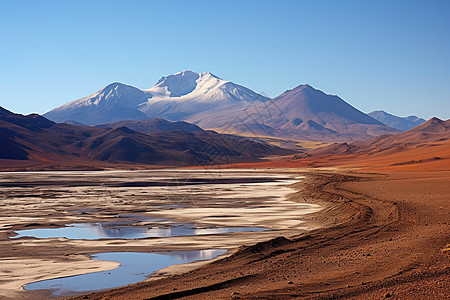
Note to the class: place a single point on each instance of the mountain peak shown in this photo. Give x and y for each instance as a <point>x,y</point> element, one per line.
<point>301,87</point>
<point>179,84</point>
<point>380,112</point>
<point>121,130</point>
<point>115,86</point>
<point>186,75</point>
<point>186,82</point>
<point>304,86</point>
<point>209,74</point>
<point>182,74</point>
<point>435,120</point>
<point>434,124</point>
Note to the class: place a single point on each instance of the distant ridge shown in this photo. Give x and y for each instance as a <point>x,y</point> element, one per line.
<point>400,123</point>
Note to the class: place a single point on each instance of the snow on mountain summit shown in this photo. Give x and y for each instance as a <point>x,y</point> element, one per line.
<point>117,94</point>
<point>177,85</point>
<point>204,87</point>
<point>174,97</point>
<point>178,96</point>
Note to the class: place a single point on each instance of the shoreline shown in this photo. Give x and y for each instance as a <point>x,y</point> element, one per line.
<point>366,250</point>
<point>72,257</point>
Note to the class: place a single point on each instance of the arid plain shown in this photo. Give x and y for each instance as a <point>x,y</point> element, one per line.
<point>384,235</point>
<point>155,200</point>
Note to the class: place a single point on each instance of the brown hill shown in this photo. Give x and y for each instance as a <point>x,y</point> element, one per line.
<point>152,125</point>
<point>425,146</point>
<point>433,125</point>
<point>36,139</point>
<point>432,131</point>
<point>32,122</point>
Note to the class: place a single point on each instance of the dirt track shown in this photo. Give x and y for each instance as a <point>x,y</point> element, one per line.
<point>384,238</point>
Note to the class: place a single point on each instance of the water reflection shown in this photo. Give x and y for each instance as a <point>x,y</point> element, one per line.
<point>111,230</point>
<point>134,267</point>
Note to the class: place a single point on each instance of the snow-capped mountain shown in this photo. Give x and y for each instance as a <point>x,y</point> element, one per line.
<point>115,102</point>
<point>179,96</point>
<point>400,123</point>
<point>174,97</point>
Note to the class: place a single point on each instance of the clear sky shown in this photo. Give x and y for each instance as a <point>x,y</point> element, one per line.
<point>390,55</point>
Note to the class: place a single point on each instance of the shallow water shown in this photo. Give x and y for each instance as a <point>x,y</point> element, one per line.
<point>134,267</point>
<point>94,231</point>
<point>118,230</point>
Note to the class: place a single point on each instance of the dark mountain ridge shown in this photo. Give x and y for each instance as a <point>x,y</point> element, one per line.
<point>152,125</point>
<point>35,138</point>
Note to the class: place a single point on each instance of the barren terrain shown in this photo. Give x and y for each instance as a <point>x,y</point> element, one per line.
<point>208,199</point>
<point>385,236</point>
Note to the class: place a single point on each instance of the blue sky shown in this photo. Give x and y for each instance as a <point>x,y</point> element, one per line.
<point>390,55</point>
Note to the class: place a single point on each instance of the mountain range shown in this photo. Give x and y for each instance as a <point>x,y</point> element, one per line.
<point>303,113</point>
<point>36,139</point>
<point>400,123</point>
<point>198,118</point>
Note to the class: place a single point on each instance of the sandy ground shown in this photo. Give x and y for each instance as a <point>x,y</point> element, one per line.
<point>384,236</point>
<point>51,199</point>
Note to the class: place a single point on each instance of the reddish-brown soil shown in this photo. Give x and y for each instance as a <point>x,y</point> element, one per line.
<point>384,236</point>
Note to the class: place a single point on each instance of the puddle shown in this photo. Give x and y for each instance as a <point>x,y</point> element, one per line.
<point>119,230</point>
<point>134,267</point>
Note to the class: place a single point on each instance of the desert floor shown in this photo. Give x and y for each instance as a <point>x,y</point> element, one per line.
<point>385,234</point>
<point>31,200</point>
